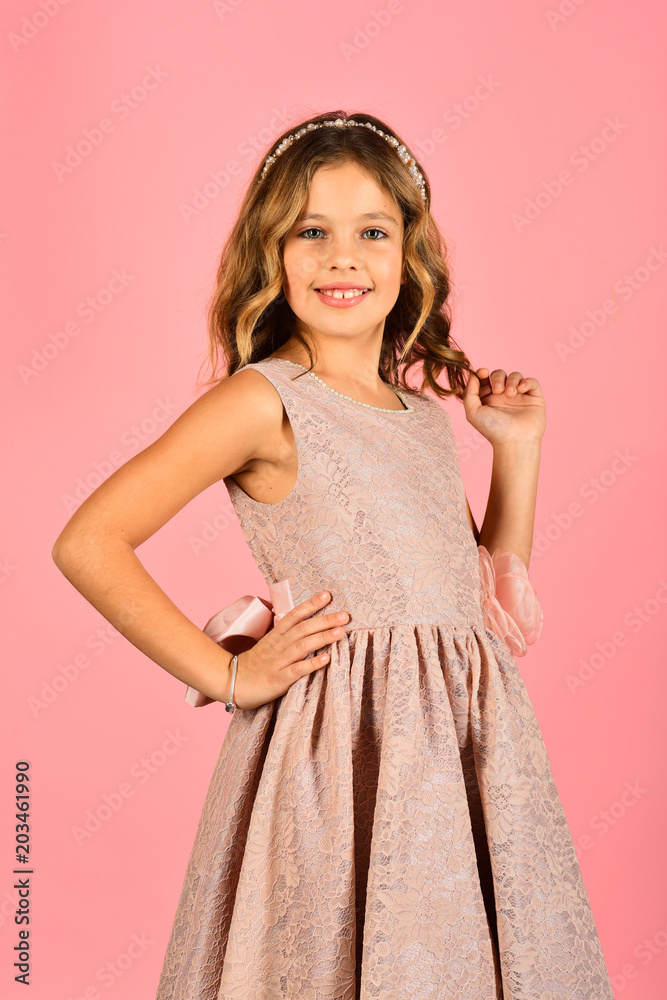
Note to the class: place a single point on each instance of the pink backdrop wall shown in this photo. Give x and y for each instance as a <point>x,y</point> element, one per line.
<point>131,132</point>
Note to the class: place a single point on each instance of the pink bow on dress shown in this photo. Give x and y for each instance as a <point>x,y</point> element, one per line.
<point>511,607</point>
<point>238,626</point>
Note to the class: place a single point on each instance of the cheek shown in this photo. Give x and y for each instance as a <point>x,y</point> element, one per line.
<point>301,265</point>
<point>389,272</point>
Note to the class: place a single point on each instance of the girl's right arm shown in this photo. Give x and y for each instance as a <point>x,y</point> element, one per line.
<point>233,427</point>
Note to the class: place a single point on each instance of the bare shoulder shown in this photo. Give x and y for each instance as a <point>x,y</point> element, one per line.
<point>230,425</point>
<point>236,425</point>
<point>248,397</point>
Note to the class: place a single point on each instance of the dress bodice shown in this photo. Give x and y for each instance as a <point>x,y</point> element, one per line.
<point>377,515</point>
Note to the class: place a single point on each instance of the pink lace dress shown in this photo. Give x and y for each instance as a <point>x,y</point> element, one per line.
<point>390,828</point>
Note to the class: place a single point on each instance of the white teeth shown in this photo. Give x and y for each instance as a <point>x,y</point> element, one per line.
<point>347,294</point>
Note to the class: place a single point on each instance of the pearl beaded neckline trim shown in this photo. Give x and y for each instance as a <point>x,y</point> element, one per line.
<point>383,409</point>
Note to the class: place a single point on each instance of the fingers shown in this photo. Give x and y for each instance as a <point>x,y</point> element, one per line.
<point>530,385</point>
<point>282,655</point>
<point>512,382</point>
<point>499,381</point>
<point>303,610</point>
<point>300,621</point>
<point>301,633</point>
<point>307,666</point>
<point>495,379</point>
<point>314,633</point>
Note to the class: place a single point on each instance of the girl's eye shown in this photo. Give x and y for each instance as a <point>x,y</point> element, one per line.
<point>316,229</point>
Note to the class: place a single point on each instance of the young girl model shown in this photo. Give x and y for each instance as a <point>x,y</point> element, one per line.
<point>382,821</point>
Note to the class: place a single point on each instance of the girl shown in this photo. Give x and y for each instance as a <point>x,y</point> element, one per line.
<point>382,821</point>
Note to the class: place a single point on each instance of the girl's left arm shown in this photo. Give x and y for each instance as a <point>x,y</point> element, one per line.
<point>509,411</point>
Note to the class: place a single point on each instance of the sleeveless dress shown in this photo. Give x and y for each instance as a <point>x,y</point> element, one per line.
<point>389,828</point>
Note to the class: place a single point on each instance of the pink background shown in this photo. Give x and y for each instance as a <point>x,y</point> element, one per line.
<point>535,91</point>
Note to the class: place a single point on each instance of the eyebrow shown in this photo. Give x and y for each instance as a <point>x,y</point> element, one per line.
<point>366,216</point>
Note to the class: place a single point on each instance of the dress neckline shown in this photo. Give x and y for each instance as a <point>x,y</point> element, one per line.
<point>358,402</point>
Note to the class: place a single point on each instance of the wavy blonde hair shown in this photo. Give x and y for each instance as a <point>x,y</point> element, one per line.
<point>249,316</point>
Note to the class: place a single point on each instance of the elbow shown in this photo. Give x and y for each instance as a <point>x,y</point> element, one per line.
<point>82,551</point>
<point>69,548</point>
<point>69,536</point>
<point>61,553</point>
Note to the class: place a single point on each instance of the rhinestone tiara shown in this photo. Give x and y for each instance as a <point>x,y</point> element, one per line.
<point>402,150</point>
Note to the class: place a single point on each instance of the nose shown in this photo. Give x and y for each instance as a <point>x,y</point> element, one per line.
<point>343,252</point>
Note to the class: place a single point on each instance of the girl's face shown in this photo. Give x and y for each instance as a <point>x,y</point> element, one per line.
<point>349,234</point>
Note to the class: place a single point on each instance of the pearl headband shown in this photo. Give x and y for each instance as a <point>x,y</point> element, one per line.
<point>402,151</point>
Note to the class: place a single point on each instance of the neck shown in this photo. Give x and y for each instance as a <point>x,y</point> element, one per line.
<point>347,364</point>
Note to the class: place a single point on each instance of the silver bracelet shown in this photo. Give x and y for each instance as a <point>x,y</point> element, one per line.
<point>229,705</point>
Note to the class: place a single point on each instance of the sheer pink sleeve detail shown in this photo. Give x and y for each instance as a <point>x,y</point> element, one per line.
<point>511,607</point>
<point>239,626</point>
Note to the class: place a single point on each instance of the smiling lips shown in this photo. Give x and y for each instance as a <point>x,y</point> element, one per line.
<point>341,295</point>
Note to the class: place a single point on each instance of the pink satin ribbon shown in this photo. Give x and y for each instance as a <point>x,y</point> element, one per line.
<point>239,626</point>
<point>510,606</point>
